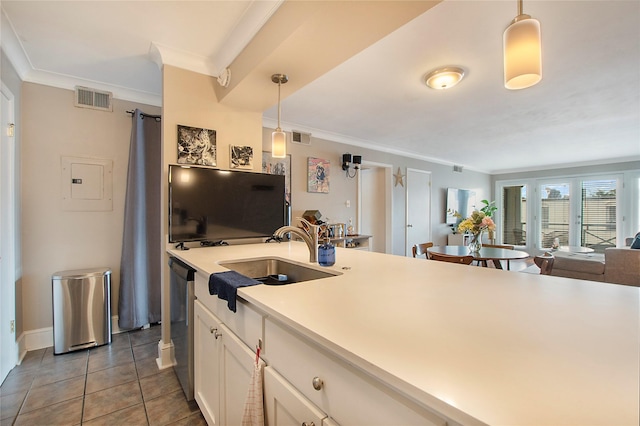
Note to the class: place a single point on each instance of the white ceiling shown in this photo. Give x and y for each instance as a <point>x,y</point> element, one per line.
<point>586,109</point>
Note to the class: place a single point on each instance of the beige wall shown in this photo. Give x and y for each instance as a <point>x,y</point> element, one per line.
<point>53,239</point>
<point>331,205</point>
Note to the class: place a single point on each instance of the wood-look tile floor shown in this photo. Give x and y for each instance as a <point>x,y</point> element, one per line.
<point>116,384</point>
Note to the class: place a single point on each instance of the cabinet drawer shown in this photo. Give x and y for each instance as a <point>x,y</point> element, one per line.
<point>284,405</point>
<point>246,323</point>
<point>347,395</point>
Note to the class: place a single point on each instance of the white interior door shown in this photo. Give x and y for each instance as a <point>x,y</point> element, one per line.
<point>373,211</point>
<point>8,354</point>
<point>375,205</point>
<point>418,208</point>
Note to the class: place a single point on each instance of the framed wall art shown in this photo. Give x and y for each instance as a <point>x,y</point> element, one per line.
<point>279,166</point>
<point>318,175</point>
<point>241,157</point>
<point>196,146</point>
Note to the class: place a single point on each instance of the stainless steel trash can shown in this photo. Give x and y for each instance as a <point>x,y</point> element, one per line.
<point>81,309</point>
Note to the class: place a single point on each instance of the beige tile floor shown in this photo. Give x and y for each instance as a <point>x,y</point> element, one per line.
<point>116,384</point>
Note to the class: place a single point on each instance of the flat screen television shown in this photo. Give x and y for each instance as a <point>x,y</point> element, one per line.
<point>212,205</point>
<point>462,201</point>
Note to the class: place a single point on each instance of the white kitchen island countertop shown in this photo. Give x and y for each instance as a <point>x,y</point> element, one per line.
<point>479,345</point>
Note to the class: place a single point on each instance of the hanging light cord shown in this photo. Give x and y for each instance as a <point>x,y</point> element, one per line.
<point>521,15</point>
<point>279,84</point>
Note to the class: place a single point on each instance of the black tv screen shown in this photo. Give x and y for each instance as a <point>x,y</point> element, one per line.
<point>212,205</point>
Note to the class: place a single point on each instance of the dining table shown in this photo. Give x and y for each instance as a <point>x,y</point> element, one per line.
<point>485,254</point>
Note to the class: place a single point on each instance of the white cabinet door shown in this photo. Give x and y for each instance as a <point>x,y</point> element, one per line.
<point>206,363</point>
<point>285,406</point>
<point>236,363</point>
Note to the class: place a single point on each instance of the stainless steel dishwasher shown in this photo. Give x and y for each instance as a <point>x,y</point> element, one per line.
<point>182,297</point>
<point>81,309</point>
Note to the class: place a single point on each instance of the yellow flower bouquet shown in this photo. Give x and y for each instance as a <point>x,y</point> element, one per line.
<point>475,225</point>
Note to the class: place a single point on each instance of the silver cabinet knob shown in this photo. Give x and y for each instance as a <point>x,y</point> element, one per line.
<point>212,330</point>
<point>317,383</point>
<point>215,333</point>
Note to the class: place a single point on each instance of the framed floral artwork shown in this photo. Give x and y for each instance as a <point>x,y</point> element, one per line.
<point>318,175</point>
<point>196,146</point>
<point>279,166</point>
<point>241,157</point>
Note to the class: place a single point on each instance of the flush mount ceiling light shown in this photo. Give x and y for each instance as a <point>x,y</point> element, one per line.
<point>522,52</point>
<point>444,78</point>
<point>279,138</point>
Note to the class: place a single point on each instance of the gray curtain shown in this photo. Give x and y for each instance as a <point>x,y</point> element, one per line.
<point>141,262</point>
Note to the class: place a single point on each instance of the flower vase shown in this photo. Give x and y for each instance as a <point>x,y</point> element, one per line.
<point>476,242</point>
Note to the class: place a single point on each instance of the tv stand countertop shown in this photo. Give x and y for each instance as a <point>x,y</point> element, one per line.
<point>476,345</point>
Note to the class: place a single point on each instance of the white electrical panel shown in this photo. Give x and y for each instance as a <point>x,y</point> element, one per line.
<point>87,184</point>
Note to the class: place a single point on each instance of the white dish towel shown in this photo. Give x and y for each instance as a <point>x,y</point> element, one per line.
<point>254,404</point>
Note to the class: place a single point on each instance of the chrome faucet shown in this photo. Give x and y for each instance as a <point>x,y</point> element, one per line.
<point>310,237</point>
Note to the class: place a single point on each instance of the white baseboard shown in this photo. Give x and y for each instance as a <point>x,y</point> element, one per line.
<point>32,340</point>
<point>166,358</point>
<point>114,325</point>
<point>22,348</point>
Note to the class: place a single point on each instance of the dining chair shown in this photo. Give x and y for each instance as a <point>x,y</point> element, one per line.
<point>502,246</point>
<point>420,249</point>
<point>545,263</point>
<point>463,260</point>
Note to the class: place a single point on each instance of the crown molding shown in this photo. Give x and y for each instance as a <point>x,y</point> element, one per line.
<point>13,48</point>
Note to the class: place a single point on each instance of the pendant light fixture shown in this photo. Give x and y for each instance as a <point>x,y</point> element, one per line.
<point>279,138</point>
<point>522,52</point>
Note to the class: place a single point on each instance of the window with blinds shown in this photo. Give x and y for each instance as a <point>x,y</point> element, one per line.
<point>514,202</point>
<point>598,214</point>
<point>555,210</point>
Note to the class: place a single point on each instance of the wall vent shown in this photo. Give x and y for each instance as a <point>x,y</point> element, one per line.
<point>457,168</point>
<point>300,137</point>
<point>94,99</point>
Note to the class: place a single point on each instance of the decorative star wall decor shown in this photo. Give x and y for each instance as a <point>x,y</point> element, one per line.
<point>399,178</point>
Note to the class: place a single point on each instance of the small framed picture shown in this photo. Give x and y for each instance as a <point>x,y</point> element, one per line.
<point>196,146</point>
<point>318,175</point>
<point>241,157</point>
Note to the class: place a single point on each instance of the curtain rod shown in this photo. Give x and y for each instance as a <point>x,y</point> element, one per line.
<point>143,115</point>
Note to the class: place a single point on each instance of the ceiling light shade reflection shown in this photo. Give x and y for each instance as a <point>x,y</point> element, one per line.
<point>185,176</point>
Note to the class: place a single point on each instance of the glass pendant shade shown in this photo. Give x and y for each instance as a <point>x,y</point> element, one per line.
<point>522,53</point>
<point>278,144</point>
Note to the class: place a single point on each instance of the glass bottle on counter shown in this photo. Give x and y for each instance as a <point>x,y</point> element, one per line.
<point>326,253</point>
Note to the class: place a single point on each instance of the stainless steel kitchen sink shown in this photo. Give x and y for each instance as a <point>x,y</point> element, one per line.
<point>276,271</point>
